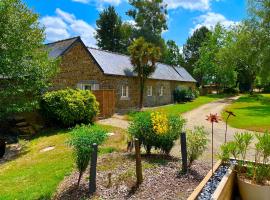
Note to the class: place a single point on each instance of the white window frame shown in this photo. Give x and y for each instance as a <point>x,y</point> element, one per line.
<point>161,91</point>
<point>149,90</point>
<point>124,91</point>
<point>93,86</point>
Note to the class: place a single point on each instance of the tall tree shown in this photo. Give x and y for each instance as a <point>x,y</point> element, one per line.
<point>191,48</point>
<point>25,67</point>
<point>111,34</point>
<point>151,19</point>
<point>143,56</point>
<point>172,54</point>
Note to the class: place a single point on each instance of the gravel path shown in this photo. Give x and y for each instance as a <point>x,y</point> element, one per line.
<point>197,117</point>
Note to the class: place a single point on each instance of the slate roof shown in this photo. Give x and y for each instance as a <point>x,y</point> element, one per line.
<point>118,64</point>
<point>58,48</point>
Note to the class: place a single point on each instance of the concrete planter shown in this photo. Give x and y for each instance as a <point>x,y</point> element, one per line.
<point>225,188</point>
<point>250,191</point>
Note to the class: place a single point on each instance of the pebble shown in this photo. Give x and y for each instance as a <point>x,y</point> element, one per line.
<point>213,182</point>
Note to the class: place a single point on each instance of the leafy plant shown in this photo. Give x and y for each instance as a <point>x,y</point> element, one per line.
<point>183,94</point>
<point>196,143</point>
<point>69,106</point>
<point>82,138</point>
<point>259,170</point>
<point>156,130</point>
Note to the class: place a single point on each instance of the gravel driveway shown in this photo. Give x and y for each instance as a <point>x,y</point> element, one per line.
<point>197,117</point>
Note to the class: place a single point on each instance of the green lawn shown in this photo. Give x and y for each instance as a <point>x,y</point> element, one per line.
<point>36,175</point>
<point>183,107</point>
<point>252,113</point>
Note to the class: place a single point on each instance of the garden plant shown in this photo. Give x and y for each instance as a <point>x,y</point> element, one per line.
<point>69,107</point>
<point>82,139</point>
<point>250,174</point>
<point>156,130</point>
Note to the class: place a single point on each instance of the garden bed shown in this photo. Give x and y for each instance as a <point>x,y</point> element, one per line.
<point>220,186</point>
<point>161,179</point>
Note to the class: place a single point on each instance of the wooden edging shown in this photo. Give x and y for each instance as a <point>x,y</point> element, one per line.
<point>225,187</point>
<point>199,188</point>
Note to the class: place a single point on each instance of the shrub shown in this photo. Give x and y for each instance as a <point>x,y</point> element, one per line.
<point>196,143</point>
<point>82,138</point>
<point>69,107</point>
<point>231,91</point>
<point>183,94</point>
<point>156,130</point>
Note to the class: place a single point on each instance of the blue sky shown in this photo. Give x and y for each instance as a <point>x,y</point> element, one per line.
<point>67,18</point>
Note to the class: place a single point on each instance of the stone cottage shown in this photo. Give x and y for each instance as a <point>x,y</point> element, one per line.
<point>94,69</point>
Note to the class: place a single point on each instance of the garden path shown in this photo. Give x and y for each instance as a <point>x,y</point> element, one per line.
<point>197,117</point>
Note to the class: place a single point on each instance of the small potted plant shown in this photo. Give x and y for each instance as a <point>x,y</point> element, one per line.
<point>253,177</point>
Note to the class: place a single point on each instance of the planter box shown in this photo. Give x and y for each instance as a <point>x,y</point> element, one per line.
<point>224,189</point>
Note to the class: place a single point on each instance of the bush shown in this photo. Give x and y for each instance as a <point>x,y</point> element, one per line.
<point>184,94</point>
<point>196,144</point>
<point>156,130</point>
<point>231,91</point>
<point>82,138</point>
<point>69,107</point>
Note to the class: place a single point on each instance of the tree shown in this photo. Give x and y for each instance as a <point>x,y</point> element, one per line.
<point>150,17</point>
<point>191,48</point>
<point>143,57</point>
<point>172,54</point>
<point>25,68</point>
<point>112,34</point>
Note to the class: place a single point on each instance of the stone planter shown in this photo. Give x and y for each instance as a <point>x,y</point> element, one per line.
<point>224,188</point>
<point>250,191</point>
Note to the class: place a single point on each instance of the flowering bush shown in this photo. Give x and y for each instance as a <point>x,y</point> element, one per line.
<point>156,130</point>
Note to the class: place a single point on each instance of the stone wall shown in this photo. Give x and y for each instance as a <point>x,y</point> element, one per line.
<point>77,67</point>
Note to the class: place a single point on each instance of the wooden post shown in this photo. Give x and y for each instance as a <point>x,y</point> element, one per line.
<point>138,162</point>
<point>183,142</point>
<point>93,170</point>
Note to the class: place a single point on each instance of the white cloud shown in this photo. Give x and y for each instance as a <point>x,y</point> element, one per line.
<point>65,25</point>
<point>82,1</point>
<point>210,19</point>
<point>189,4</point>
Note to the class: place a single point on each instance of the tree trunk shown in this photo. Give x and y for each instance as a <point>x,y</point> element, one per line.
<point>141,92</point>
<point>2,147</point>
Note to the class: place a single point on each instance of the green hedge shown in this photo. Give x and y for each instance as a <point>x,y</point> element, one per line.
<point>69,107</point>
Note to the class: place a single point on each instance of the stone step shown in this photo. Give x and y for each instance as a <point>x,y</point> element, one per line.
<point>28,130</point>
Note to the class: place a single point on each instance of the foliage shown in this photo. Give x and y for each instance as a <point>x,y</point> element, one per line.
<point>112,34</point>
<point>191,52</point>
<point>172,55</point>
<point>156,130</point>
<point>184,94</point>
<point>69,106</point>
<point>259,170</point>
<point>150,17</point>
<point>25,66</point>
<point>82,138</point>
<point>143,57</point>
<point>196,143</point>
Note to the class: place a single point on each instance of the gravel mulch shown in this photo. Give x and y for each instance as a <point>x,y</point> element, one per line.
<point>161,179</point>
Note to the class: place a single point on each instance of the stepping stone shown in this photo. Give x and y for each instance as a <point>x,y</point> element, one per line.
<point>47,149</point>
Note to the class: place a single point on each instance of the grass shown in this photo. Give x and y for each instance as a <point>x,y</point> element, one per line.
<point>183,107</point>
<point>36,175</point>
<point>252,113</point>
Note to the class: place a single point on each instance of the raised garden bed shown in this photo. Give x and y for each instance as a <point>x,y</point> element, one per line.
<point>221,186</point>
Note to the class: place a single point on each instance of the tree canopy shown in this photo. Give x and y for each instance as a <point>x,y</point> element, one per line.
<point>150,17</point>
<point>25,68</point>
<point>172,55</point>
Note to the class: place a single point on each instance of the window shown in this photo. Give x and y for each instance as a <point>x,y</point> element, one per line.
<point>149,91</point>
<point>88,86</point>
<point>161,91</point>
<point>124,91</point>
